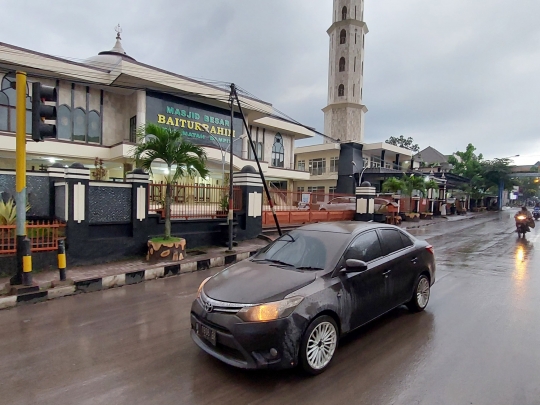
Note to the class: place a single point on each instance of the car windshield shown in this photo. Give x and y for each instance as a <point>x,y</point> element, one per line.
<point>305,250</point>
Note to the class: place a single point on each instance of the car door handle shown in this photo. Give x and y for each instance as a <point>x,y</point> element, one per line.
<point>415,260</point>
<point>387,273</point>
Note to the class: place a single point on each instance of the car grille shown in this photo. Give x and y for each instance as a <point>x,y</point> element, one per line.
<point>212,305</point>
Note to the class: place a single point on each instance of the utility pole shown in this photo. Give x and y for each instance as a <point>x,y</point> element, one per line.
<point>230,217</point>
<point>24,260</point>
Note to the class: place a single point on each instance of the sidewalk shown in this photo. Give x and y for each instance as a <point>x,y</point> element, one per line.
<point>438,220</point>
<point>117,274</point>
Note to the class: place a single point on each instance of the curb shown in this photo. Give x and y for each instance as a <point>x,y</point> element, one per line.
<point>120,280</point>
<point>440,222</point>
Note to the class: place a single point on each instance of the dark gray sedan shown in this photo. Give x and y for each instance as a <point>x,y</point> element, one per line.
<point>291,302</point>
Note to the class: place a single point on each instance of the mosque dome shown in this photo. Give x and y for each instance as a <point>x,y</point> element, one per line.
<point>108,59</point>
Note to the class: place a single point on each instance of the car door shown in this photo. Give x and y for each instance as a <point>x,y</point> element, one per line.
<point>365,294</point>
<point>400,254</point>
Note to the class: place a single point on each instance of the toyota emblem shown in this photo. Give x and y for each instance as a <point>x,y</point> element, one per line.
<point>208,307</point>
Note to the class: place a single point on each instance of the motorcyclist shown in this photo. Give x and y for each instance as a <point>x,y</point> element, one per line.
<point>524,211</point>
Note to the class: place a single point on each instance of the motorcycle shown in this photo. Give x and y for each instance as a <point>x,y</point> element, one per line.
<point>522,226</point>
<point>536,213</point>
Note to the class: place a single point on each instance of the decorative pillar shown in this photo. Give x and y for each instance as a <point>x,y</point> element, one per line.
<point>365,202</point>
<point>249,218</point>
<point>77,230</point>
<point>57,192</point>
<point>141,108</point>
<point>139,181</point>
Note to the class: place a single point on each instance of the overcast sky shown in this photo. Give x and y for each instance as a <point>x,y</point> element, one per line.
<point>445,73</point>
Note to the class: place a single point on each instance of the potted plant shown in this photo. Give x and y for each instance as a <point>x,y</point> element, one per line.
<point>182,158</point>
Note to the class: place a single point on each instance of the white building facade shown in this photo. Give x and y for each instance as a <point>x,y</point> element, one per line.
<point>103,100</point>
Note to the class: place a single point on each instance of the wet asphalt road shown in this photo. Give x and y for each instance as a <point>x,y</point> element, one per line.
<point>478,342</point>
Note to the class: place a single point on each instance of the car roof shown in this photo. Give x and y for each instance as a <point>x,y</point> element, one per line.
<point>347,227</point>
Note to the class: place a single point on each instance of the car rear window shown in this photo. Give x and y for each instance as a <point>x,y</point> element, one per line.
<point>391,241</point>
<point>406,240</point>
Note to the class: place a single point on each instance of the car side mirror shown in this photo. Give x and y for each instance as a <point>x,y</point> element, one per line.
<point>355,266</point>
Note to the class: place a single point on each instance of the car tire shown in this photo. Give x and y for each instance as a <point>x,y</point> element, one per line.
<point>421,294</point>
<point>319,345</point>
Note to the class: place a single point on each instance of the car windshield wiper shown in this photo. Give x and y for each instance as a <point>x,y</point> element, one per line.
<point>309,268</point>
<point>274,261</point>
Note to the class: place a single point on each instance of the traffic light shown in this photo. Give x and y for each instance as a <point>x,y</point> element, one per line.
<point>42,112</point>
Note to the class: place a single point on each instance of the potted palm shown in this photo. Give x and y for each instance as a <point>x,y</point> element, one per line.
<point>182,158</point>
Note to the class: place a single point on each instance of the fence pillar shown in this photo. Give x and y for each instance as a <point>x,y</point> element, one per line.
<point>57,176</point>
<point>139,203</point>
<point>365,202</point>
<point>77,230</point>
<point>249,218</point>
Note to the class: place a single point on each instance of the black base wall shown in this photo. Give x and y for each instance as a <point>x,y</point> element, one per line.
<point>40,261</point>
<point>112,242</point>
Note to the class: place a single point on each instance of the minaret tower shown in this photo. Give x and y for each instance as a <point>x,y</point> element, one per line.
<point>344,114</point>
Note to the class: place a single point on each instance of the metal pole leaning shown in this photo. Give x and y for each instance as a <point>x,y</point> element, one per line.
<point>265,186</point>
<point>62,259</point>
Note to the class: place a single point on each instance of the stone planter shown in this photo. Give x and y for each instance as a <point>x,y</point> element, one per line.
<point>166,251</point>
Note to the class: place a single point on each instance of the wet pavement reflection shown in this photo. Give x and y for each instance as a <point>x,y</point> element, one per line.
<point>477,343</point>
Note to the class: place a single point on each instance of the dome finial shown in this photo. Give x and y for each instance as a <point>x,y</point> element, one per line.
<point>118,30</point>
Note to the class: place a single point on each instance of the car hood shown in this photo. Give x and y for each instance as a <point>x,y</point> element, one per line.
<point>252,283</point>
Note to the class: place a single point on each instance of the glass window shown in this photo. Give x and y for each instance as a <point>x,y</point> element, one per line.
<point>305,249</point>
<point>133,129</point>
<point>63,122</point>
<point>301,165</point>
<point>365,247</point>
<point>4,118</point>
<point>341,90</point>
<point>334,164</point>
<point>406,240</point>
<point>391,240</point>
<point>79,125</point>
<point>332,190</point>
<point>278,152</point>
<point>344,13</point>
<point>317,166</point>
<point>94,127</point>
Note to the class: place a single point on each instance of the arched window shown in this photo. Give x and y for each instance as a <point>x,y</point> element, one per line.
<point>94,127</point>
<point>342,65</point>
<point>344,13</point>
<point>341,90</point>
<point>63,122</point>
<point>79,125</point>
<point>278,152</point>
<point>8,102</point>
<point>343,37</point>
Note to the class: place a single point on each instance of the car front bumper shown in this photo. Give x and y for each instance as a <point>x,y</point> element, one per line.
<point>248,345</point>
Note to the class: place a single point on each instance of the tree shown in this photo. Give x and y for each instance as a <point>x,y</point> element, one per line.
<point>407,143</point>
<point>407,184</point>
<point>393,185</point>
<point>467,163</point>
<point>156,143</point>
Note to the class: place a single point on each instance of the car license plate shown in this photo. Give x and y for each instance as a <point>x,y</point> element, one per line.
<point>206,333</point>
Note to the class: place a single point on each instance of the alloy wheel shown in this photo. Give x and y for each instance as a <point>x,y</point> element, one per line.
<point>321,345</point>
<point>422,292</point>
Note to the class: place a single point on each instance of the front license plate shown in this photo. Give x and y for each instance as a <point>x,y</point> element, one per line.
<point>206,333</point>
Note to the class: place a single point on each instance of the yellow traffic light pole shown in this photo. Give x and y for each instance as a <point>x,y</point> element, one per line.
<point>24,259</point>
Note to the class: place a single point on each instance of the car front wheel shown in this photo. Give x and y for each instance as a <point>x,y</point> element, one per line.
<point>421,295</point>
<point>319,345</point>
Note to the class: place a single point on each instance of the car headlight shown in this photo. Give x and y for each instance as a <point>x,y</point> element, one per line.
<point>270,311</point>
<point>199,291</point>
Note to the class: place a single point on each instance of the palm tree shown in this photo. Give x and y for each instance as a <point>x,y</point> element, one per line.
<point>393,185</point>
<point>156,143</point>
<point>412,183</point>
